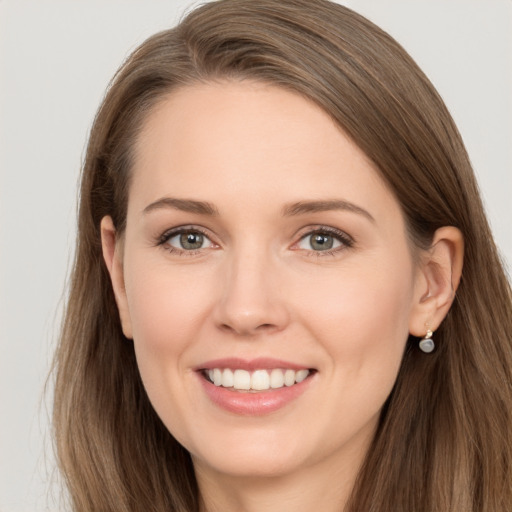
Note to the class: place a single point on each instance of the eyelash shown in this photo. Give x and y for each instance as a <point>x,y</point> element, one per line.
<point>165,237</point>
<point>345,240</point>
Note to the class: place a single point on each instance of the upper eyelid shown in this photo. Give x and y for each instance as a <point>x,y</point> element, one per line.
<point>309,230</point>
<point>169,233</point>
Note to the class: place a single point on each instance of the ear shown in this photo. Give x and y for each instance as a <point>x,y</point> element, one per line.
<point>438,276</point>
<point>112,254</point>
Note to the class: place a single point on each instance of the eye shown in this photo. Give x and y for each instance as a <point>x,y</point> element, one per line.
<point>324,240</point>
<point>187,240</point>
<point>318,242</point>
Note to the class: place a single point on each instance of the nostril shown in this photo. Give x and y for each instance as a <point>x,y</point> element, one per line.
<point>248,330</point>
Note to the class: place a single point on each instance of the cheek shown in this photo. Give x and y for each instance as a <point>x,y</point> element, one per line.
<point>167,311</point>
<point>361,316</point>
<point>166,304</point>
<point>361,320</point>
<point>374,290</point>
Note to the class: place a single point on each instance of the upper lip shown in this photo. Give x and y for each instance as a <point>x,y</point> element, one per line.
<point>251,364</point>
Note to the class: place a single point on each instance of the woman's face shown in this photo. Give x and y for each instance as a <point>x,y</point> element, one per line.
<point>264,252</point>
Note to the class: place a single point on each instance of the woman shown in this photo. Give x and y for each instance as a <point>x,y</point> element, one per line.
<point>285,292</point>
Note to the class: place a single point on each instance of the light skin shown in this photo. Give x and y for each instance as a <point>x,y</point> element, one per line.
<point>260,173</point>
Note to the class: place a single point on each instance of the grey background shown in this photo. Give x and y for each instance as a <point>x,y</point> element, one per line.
<point>56,58</point>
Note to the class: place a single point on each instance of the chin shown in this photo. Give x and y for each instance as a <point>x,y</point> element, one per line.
<point>250,464</point>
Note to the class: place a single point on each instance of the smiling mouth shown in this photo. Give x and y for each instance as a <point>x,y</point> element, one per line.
<point>257,380</point>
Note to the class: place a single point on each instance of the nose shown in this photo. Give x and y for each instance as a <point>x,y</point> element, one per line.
<point>252,296</point>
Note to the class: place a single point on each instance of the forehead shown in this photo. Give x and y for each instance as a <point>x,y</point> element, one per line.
<point>249,139</point>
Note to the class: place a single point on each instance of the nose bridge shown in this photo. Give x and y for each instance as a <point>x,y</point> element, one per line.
<point>251,301</point>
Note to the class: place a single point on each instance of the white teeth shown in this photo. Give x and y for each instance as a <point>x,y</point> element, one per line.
<point>276,378</point>
<point>217,377</point>
<point>258,380</point>
<point>241,379</point>
<point>301,375</point>
<point>289,378</point>
<point>228,378</point>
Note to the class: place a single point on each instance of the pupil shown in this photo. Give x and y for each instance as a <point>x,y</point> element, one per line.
<point>191,240</point>
<point>321,242</point>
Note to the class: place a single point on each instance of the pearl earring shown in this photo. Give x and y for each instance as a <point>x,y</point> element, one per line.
<point>427,343</point>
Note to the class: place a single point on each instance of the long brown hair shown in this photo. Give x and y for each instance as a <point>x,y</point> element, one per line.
<point>444,442</point>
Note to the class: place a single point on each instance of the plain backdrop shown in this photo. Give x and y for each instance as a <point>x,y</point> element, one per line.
<point>56,58</point>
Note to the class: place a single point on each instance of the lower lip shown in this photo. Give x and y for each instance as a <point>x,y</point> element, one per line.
<point>253,403</point>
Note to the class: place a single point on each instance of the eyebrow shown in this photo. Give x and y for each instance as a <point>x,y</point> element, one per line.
<point>184,205</point>
<point>303,207</point>
<point>289,210</point>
